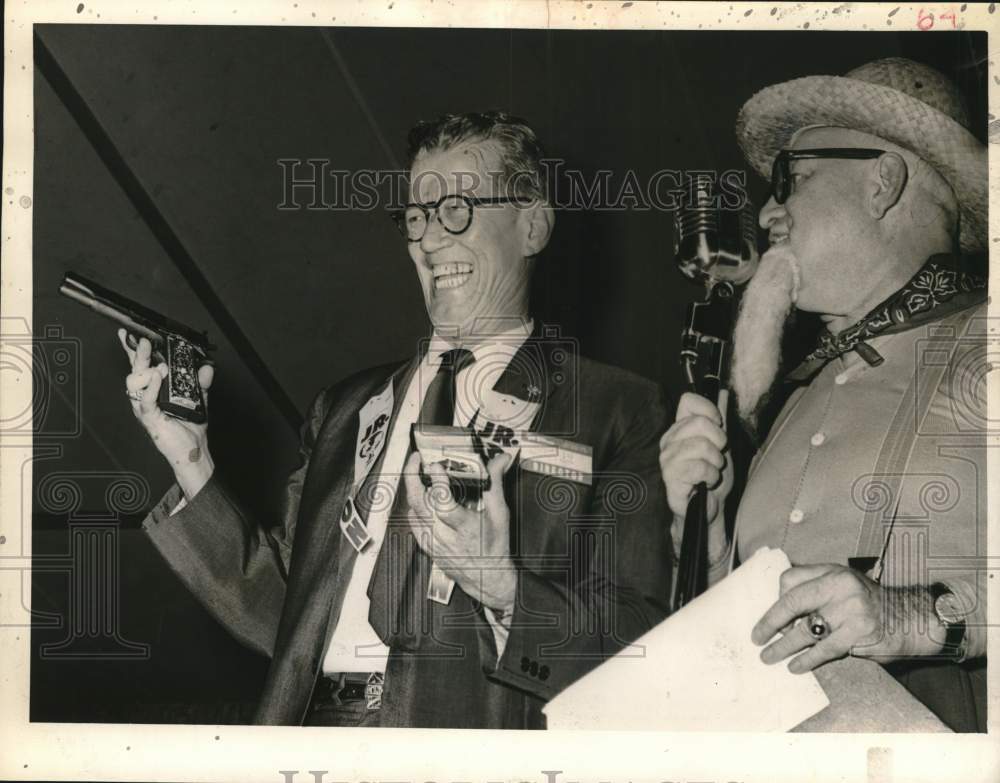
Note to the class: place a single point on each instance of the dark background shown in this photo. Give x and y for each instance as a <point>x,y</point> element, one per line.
<point>199,116</point>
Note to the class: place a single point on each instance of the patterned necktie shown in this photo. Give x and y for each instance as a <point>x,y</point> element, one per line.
<point>399,583</point>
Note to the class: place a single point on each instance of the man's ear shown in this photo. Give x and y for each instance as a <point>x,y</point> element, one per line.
<point>536,222</point>
<point>888,184</point>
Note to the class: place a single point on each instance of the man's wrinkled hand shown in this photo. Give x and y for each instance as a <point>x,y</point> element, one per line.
<point>692,451</point>
<point>471,545</point>
<point>864,618</point>
<point>182,443</point>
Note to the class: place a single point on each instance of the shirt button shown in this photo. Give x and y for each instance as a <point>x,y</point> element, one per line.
<point>817,439</point>
<point>841,379</point>
<point>796,516</point>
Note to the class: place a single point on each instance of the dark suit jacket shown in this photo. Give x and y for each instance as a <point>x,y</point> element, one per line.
<point>594,562</point>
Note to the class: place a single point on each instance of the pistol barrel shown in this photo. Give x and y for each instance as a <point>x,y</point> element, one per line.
<point>71,289</point>
<point>138,320</point>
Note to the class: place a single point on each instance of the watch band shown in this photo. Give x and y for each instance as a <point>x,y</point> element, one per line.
<point>955,638</point>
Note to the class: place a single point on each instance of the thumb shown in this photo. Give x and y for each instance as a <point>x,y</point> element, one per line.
<point>206,373</point>
<point>711,506</point>
<point>495,501</point>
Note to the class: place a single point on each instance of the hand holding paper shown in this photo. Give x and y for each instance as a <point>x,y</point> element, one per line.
<point>698,670</point>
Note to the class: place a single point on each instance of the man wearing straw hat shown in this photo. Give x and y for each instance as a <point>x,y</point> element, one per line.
<point>873,477</point>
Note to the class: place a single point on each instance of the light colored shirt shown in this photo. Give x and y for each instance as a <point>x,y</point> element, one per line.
<point>354,646</point>
<point>813,481</point>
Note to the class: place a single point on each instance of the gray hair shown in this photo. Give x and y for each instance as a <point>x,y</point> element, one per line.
<point>518,148</point>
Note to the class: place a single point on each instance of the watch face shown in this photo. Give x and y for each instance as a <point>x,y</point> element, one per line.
<point>948,609</point>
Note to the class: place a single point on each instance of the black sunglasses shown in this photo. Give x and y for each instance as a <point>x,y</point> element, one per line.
<point>781,176</point>
<point>454,212</point>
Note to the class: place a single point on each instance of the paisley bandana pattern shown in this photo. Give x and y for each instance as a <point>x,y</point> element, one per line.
<point>941,286</point>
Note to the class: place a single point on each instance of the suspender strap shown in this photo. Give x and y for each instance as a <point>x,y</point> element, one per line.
<point>900,439</point>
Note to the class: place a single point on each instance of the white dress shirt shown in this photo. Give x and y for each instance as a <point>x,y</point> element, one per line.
<point>353,645</point>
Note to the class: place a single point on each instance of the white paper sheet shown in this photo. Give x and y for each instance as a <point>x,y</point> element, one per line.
<point>698,669</point>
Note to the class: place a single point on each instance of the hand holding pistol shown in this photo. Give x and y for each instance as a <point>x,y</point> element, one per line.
<point>169,380</point>
<point>181,348</point>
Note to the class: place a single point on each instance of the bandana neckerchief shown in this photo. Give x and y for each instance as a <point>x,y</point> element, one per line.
<point>941,287</point>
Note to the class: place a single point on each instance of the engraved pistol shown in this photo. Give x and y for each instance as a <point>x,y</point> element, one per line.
<point>180,347</point>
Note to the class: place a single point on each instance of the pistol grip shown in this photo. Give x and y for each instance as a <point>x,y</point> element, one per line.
<point>180,393</point>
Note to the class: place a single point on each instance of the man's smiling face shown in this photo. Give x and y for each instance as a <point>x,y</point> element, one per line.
<point>482,272</point>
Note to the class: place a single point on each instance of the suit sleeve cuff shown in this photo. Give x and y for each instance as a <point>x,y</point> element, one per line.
<point>174,501</point>
<point>170,504</point>
<point>549,645</point>
<point>174,511</point>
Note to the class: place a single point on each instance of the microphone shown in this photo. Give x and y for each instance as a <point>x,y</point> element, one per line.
<point>716,246</point>
<point>713,242</point>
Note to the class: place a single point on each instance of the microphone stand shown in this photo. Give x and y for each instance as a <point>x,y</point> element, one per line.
<point>704,359</point>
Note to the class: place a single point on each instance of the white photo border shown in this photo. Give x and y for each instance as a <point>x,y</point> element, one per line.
<point>49,751</point>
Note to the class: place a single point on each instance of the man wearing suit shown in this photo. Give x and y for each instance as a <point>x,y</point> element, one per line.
<point>384,603</point>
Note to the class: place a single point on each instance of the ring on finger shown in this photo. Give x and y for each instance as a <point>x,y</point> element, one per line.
<point>134,395</point>
<point>817,626</point>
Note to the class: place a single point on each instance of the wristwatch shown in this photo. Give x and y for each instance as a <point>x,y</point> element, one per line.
<point>949,612</point>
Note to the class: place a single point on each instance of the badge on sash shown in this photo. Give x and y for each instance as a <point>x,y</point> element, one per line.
<point>353,528</point>
<point>440,586</point>
<point>373,431</point>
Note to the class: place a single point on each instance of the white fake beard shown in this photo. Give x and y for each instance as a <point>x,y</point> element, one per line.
<point>766,304</point>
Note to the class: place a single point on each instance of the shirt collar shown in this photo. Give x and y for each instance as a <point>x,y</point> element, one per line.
<point>506,337</point>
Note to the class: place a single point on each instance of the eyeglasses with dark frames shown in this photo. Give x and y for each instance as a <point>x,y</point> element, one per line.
<point>454,212</point>
<point>781,176</point>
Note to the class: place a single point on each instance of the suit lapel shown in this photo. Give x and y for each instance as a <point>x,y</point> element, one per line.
<point>544,371</point>
<point>333,455</point>
<point>321,566</point>
<point>539,367</point>
<point>400,381</point>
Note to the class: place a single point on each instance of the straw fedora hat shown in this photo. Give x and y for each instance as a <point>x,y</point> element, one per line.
<point>901,101</point>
